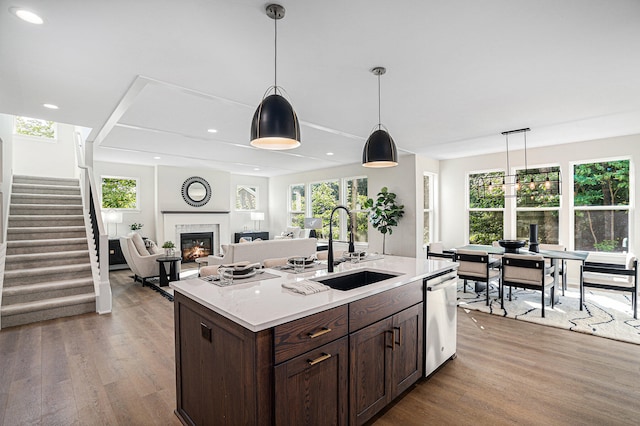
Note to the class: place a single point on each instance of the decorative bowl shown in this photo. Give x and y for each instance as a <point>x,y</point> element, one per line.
<point>512,246</point>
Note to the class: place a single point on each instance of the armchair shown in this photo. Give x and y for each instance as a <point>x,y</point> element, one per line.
<point>607,276</point>
<point>525,271</point>
<point>142,264</point>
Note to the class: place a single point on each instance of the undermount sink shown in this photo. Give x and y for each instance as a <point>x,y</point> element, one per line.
<point>356,279</point>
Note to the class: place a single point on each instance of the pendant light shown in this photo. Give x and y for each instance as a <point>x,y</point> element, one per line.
<point>379,150</point>
<point>275,124</point>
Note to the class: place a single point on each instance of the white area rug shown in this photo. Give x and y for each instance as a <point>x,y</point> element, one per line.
<point>606,313</point>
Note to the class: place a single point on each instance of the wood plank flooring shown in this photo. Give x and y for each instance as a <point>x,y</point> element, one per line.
<point>118,369</point>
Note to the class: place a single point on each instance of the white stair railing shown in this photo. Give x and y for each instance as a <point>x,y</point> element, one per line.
<point>94,226</point>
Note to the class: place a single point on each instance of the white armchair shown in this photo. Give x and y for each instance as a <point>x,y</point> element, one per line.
<point>141,263</point>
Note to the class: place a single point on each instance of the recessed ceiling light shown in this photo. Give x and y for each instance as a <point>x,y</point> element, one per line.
<point>329,153</point>
<point>50,106</point>
<point>212,131</point>
<point>157,158</point>
<point>27,15</point>
<point>256,169</point>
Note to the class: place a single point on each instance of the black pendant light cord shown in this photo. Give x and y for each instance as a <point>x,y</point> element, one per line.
<point>275,57</point>
<point>379,102</point>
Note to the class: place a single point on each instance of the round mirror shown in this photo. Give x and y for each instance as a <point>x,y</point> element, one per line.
<point>196,191</point>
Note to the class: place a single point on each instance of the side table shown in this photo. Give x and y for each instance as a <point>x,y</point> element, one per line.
<point>174,270</point>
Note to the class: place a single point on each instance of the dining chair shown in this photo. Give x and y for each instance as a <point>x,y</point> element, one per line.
<point>608,276</point>
<point>475,266</point>
<point>276,261</point>
<point>526,271</point>
<point>436,250</point>
<point>205,271</point>
<point>561,264</point>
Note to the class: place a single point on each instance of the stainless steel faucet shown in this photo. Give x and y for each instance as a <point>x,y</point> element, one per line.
<point>351,233</point>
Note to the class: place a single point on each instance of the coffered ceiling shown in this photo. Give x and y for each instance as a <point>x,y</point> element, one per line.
<point>151,77</point>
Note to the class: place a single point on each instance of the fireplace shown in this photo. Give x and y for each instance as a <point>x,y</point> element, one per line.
<point>195,244</point>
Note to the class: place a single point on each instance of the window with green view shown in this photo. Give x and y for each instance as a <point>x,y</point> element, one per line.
<point>119,193</point>
<point>486,207</point>
<point>601,205</point>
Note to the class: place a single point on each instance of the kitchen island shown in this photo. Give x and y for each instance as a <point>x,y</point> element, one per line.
<point>256,353</point>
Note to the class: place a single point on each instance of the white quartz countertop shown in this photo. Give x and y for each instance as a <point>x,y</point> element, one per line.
<point>258,305</point>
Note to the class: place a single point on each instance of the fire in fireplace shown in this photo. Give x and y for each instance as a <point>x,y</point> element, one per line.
<point>195,244</point>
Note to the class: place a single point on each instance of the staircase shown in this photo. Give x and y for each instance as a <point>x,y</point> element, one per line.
<point>47,268</point>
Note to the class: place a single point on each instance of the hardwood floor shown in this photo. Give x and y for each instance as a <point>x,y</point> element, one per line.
<point>118,369</point>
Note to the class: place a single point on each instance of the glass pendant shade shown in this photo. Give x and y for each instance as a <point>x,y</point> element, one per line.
<point>275,124</point>
<point>380,150</point>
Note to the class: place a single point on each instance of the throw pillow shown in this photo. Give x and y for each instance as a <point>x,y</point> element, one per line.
<point>138,242</point>
<point>153,248</point>
<point>223,249</point>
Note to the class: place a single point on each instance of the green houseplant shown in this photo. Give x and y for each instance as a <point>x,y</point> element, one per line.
<point>169,248</point>
<point>136,226</point>
<point>384,213</point>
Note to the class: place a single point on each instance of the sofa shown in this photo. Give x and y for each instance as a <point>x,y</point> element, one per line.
<point>141,262</point>
<point>257,251</point>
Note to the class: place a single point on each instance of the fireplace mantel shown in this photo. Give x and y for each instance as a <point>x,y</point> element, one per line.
<point>174,222</point>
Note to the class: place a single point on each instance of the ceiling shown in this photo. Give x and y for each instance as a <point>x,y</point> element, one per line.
<point>150,77</point>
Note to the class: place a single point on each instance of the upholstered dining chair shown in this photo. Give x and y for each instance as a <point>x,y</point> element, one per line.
<point>526,271</point>
<point>276,261</point>
<point>476,266</point>
<point>205,271</point>
<point>607,276</point>
<point>436,251</point>
<point>561,264</point>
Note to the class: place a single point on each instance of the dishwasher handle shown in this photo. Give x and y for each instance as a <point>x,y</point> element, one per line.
<point>451,280</point>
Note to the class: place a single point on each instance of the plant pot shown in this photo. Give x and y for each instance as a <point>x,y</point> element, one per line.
<point>169,252</point>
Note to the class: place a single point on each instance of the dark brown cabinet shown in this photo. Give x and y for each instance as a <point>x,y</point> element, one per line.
<point>336,367</point>
<point>385,359</point>
<point>312,388</point>
<point>223,374</point>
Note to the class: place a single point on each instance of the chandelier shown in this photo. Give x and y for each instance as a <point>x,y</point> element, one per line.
<point>526,183</point>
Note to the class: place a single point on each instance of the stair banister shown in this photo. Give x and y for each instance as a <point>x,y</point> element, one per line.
<point>101,239</point>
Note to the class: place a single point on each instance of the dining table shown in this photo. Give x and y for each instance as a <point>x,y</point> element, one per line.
<point>553,255</point>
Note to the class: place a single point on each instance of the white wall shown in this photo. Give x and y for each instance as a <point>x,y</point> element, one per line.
<point>145,213</point>
<point>453,173</point>
<point>35,157</point>
<point>6,135</point>
<point>241,220</point>
<point>401,180</point>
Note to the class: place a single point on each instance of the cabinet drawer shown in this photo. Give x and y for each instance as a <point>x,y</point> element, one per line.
<point>299,336</point>
<point>374,308</point>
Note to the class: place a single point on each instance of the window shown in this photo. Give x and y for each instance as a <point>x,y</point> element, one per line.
<point>297,205</point>
<point>601,205</point>
<point>356,196</point>
<point>324,197</point>
<point>246,197</point>
<point>35,127</point>
<point>534,205</point>
<point>350,192</point>
<point>486,207</point>
<point>119,193</point>
<point>427,208</point>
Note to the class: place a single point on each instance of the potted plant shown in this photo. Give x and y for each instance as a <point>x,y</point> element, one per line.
<point>135,227</point>
<point>169,248</point>
<point>384,213</point>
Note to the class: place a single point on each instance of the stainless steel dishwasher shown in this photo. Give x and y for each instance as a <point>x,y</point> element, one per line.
<point>441,320</point>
